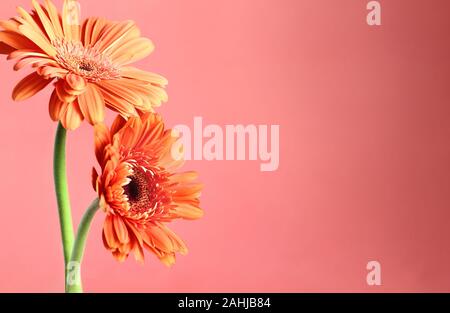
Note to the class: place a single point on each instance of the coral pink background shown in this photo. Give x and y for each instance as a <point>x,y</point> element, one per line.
<point>364,162</point>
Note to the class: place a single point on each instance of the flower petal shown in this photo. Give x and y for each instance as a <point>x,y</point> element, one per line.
<point>30,61</point>
<point>5,49</point>
<point>92,29</point>
<point>138,252</point>
<point>115,100</point>
<point>71,116</point>
<point>117,124</point>
<point>29,86</point>
<point>54,18</point>
<point>28,20</point>
<point>133,72</point>
<point>46,23</point>
<point>130,134</point>
<point>15,40</point>
<point>132,51</point>
<point>24,53</point>
<point>188,211</point>
<point>178,244</point>
<point>116,35</point>
<point>101,139</point>
<point>94,179</point>
<point>55,106</point>
<point>115,87</point>
<point>159,238</point>
<point>109,234</point>
<point>38,39</point>
<point>63,94</point>
<point>52,71</point>
<point>168,259</point>
<point>92,104</point>
<point>120,229</point>
<point>76,83</point>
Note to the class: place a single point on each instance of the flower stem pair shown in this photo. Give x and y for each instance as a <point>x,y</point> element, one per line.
<point>73,247</point>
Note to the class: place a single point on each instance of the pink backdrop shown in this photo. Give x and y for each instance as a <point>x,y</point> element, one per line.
<point>364,159</point>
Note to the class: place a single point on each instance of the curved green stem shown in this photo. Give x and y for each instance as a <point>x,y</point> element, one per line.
<point>62,192</point>
<point>73,278</point>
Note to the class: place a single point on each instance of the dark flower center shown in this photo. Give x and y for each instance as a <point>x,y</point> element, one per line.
<point>86,67</point>
<point>145,192</point>
<point>132,190</point>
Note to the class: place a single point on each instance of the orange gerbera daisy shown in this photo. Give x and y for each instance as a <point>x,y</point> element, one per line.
<point>139,189</point>
<point>87,62</point>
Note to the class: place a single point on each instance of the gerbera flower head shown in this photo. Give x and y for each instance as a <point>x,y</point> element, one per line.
<point>87,62</point>
<point>140,190</point>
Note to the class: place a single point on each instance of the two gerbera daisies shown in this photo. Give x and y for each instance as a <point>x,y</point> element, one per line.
<point>88,64</point>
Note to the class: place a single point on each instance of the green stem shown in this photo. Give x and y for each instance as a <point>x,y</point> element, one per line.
<point>73,278</point>
<point>62,192</point>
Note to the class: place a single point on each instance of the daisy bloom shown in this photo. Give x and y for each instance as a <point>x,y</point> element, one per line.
<point>140,190</point>
<point>88,63</point>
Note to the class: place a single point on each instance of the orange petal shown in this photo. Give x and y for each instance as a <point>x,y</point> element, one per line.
<point>190,191</point>
<point>71,116</point>
<point>132,72</point>
<point>101,139</point>
<point>168,259</point>
<point>48,26</point>
<point>138,252</point>
<point>115,87</point>
<point>23,53</point>
<point>179,245</point>
<point>130,133</point>
<point>120,229</point>
<point>94,179</point>
<point>108,231</point>
<point>117,124</point>
<point>51,71</point>
<point>15,40</point>
<point>55,106</point>
<point>188,211</point>
<point>28,20</point>
<point>5,49</point>
<point>152,130</point>
<point>63,95</point>
<point>86,30</point>
<point>93,28</point>
<point>132,51</point>
<point>54,18</point>
<point>76,83</point>
<point>119,256</point>
<point>10,25</point>
<point>30,61</point>
<point>29,86</point>
<point>148,94</point>
<point>92,104</point>
<point>38,39</point>
<point>184,177</point>
<point>159,238</point>
<point>119,105</point>
<point>116,35</point>
<point>117,102</point>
